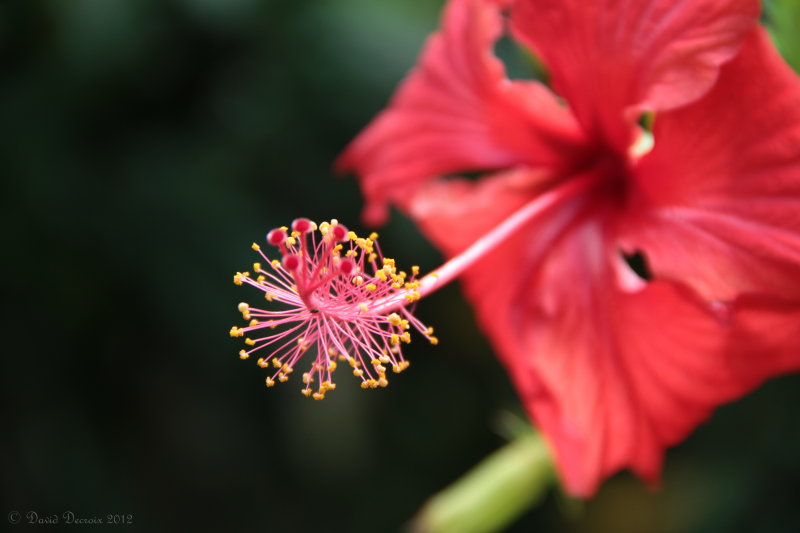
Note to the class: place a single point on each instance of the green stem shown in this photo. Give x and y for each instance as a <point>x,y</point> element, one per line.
<point>494,493</point>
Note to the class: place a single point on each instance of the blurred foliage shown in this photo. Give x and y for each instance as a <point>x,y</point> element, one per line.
<point>146,144</point>
<point>783,19</point>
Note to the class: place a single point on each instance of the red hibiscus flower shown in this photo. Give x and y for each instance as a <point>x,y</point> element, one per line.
<point>612,366</point>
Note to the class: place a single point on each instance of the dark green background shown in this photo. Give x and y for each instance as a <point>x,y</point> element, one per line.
<point>145,145</point>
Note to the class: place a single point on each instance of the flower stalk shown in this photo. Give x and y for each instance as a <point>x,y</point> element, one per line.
<point>494,493</point>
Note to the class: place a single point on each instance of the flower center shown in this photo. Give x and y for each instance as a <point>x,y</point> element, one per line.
<point>331,287</point>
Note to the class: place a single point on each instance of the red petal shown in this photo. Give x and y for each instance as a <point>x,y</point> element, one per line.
<point>614,58</point>
<point>612,370</point>
<point>717,204</point>
<point>457,111</point>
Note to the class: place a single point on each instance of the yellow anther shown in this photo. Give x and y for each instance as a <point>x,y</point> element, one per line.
<point>318,395</point>
<point>243,354</point>
<point>394,338</point>
<point>261,279</point>
<point>338,248</point>
<point>324,228</point>
<point>306,378</point>
<point>406,337</point>
<point>243,307</point>
<point>364,384</point>
<point>276,263</point>
<point>361,243</point>
<point>371,287</point>
<point>380,369</point>
<point>404,324</point>
<point>253,323</point>
<point>381,275</point>
<point>384,359</point>
<point>271,324</point>
<point>358,280</point>
<point>255,247</point>
<point>236,332</point>
<point>256,267</point>
<point>291,241</point>
<point>295,234</point>
<point>306,392</point>
<point>412,296</point>
<point>270,382</point>
<point>394,319</point>
<point>372,257</point>
<point>434,340</point>
<point>350,253</point>
<point>332,366</point>
<point>287,369</point>
<point>268,296</point>
<point>285,228</point>
<point>276,363</point>
<point>283,378</point>
<point>357,372</point>
<point>383,382</point>
<point>372,383</point>
<point>429,331</point>
<point>250,342</point>
<point>238,278</point>
<point>396,369</point>
<point>373,236</point>
<point>262,362</point>
<point>415,270</point>
<point>351,235</point>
